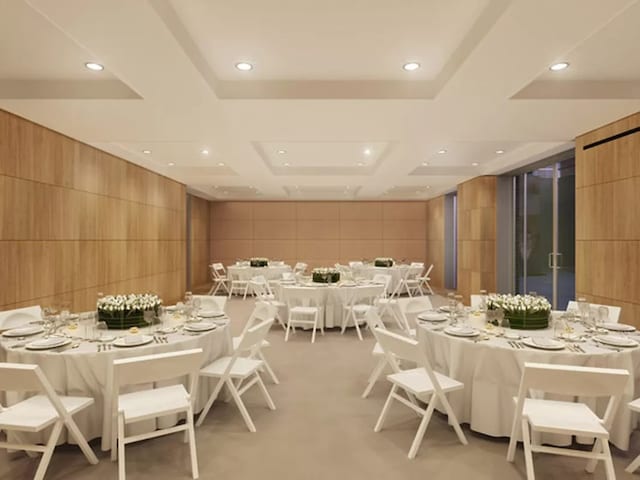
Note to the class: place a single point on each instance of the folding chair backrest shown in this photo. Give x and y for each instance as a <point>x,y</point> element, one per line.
<point>254,335</point>
<point>384,280</point>
<point>303,296</point>
<point>19,377</point>
<point>614,311</point>
<point>428,272</point>
<point>417,264</point>
<point>157,367</point>
<point>214,302</point>
<point>414,271</point>
<point>399,346</point>
<point>288,276</point>
<point>411,307</point>
<point>219,269</point>
<point>261,312</point>
<point>374,320</point>
<point>19,317</point>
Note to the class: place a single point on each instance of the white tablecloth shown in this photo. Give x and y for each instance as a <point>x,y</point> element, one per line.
<point>491,371</point>
<point>82,371</point>
<point>235,272</point>
<point>397,272</point>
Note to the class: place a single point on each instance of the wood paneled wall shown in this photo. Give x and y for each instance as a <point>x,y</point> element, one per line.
<point>199,241</point>
<point>436,240</point>
<point>75,221</point>
<point>477,235</point>
<point>318,233</point>
<point>608,218</point>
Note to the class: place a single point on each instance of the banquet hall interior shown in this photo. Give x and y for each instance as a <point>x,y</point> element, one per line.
<point>300,239</point>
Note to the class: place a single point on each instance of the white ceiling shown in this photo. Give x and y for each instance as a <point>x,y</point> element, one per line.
<point>328,83</point>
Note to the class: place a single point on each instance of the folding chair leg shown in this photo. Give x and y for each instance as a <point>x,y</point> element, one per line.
<point>453,420</point>
<point>608,461</point>
<point>265,392</point>
<point>345,320</point>
<point>268,368</point>
<point>246,290</point>
<point>50,447</point>
<point>528,456</point>
<point>286,335</point>
<point>513,439</point>
<point>192,444</point>
<point>241,407</point>
<point>81,441</point>
<point>355,322</point>
<point>313,334</point>
<point>633,466</point>
<point>424,423</point>
<point>385,410</point>
<point>207,406</point>
<point>373,378</point>
<point>121,464</point>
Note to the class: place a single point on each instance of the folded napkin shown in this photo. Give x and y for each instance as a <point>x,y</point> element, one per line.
<point>132,339</point>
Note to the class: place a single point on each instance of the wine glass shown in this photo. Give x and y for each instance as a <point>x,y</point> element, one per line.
<point>584,308</point>
<point>602,316</point>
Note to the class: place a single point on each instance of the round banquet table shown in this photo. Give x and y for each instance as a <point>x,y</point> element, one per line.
<point>83,371</point>
<point>397,272</point>
<point>236,272</point>
<point>490,370</point>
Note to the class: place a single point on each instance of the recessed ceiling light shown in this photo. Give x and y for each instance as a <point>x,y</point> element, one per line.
<point>281,152</point>
<point>556,67</point>
<point>425,164</point>
<point>442,151</point>
<point>204,151</point>
<point>411,66</point>
<point>146,152</point>
<point>428,187</point>
<point>96,67</point>
<point>221,164</point>
<point>171,164</point>
<point>244,66</point>
<point>286,164</point>
<point>360,164</point>
<point>474,164</point>
<point>499,152</point>
<point>367,151</point>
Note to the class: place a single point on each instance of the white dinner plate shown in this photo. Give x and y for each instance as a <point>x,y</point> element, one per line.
<point>461,331</point>
<point>210,313</point>
<point>619,327</point>
<point>171,308</point>
<point>543,343</point>
<point>24,331</point>
<point>512,336</point>
<point>616,341</point>
<point>572,337</point>
<point>200,326</point>
<point>432,316</point>
<point>445,308</point>
<point>47,343</point>
<point>142,340</point>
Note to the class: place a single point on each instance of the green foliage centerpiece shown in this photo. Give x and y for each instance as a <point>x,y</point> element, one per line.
<point>325,275</point>
<point>524,312</point>
<point>126,311</point>
<point>258,262</point>
<point>383,262</point>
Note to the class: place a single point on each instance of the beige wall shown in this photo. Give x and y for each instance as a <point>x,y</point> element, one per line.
<point>318,233</point>
<point>75,221</point>
<point>608,218</point>
<point>199,241</point>
<point>435,240</point>
<point>477,235</point>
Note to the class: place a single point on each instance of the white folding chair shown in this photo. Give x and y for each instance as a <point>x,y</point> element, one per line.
<point>424,281</point>
<point>410,280</point>
<point>152,403</point>
<point>421,382</point>
<point>374,321</point>
<point>387,301</point>
<point>305,307</point>
<point>262,290</point>
<point>300,268</point>
<point>633,466</point>
<point>357,301</point>
<point>614,312</point>
<point>19,317</point>
<point>219,278</point>
<point>39,412</point>
<point>240,282</point>
<point>210,302</point>
<point>262,311</point>
<point>409,309</point>
<point>238,369</point>
<point>563,417</point>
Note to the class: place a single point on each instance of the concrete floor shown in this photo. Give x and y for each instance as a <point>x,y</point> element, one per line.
<point>322,429</point>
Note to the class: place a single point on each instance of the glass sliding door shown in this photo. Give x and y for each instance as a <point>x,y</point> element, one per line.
<point>545,232</point>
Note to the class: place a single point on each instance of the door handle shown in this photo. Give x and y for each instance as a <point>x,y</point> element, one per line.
<point>549,261</point>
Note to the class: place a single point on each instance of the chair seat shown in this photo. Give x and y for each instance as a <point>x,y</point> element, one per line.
<point>360,308</point>
<point>153,402</point>
<point>553,416</point>
<point>417,381</point>
<point>242,367</point>
<point>37,412</point>
<point>235,341</point>
<point>387,301</point>
<point>277,303</point>
<point>304,310</point>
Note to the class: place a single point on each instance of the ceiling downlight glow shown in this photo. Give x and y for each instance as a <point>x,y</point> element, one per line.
<point>411,66</point>
<point>556,67</point>
<point>146,152</point>
<point>474,164</point>
<point>96,67</point>
<point>244,66</point>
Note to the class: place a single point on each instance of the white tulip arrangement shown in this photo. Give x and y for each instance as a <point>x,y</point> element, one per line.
<point>519,304</point>
<point>131,302</point>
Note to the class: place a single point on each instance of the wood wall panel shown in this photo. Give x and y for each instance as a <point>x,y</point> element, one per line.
<point>75,221</point>
<point>477,235</point>
<point>436,240</point>
<point>608,219</point>
<point>199,242</point>
<point>318,233</point>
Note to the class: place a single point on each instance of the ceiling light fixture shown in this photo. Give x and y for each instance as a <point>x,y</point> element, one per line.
<point>146,152</point>
<point>281,152</point>
<point>499,152</point>
<point>367,151</point>
<point>411,66</point>
<point>556,67</point>
<point>474,164</point>
<point>442,151</point>
<point>171,164</point>
<point>428,187</point>
<point>221,164</point>
<point>286,164</point>
<point>360,164</point>
<point>244,66</point>
<point>204,151</point>
<point>425,164</point>
<point>96,67</point>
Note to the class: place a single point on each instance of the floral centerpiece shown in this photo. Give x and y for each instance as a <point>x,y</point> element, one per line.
<point>325,275</point>
<point>258,262</point>
<point>383,262</point>
<point>126,311</point>
<point>524,312</point>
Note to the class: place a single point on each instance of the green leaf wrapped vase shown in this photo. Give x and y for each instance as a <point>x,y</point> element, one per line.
<point>126,311</point>
<point>325,275</point>
<point>383,262</point>
<point>524,312</point>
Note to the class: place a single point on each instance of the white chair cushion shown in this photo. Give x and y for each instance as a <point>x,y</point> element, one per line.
<point>304,310</point>
<point>241,368</point>
<point>417,381</point>
<point>153,403</point>
<point>554,416</point>
<point>37,412</point>
<point>235,341</point>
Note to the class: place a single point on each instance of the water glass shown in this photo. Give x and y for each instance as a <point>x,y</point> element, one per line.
<point>602,316</point>
<point>584,308</point>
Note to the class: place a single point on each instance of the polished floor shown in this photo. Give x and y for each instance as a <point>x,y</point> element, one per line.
<point>322,429</point>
